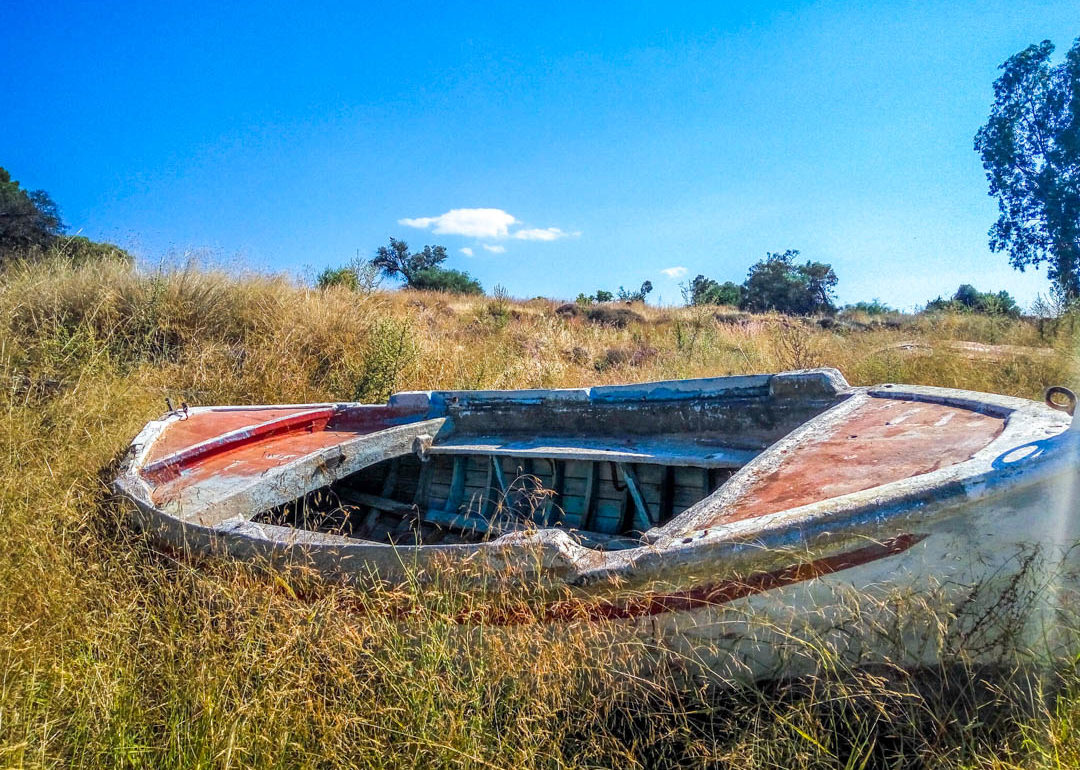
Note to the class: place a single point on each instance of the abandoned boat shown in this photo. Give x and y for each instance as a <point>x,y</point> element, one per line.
<point>658,499</point>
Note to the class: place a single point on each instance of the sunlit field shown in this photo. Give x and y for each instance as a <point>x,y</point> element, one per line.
<point>117,653</point>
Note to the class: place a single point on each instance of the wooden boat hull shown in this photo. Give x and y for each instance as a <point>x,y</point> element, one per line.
<point>809,489</point>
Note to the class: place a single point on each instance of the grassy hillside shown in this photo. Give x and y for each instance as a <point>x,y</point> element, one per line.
<point>119,654</point>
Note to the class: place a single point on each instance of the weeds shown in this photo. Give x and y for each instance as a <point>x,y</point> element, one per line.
<point>116,653</point>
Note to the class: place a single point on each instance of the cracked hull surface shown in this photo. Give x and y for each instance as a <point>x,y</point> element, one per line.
<point>897,486</point>
<point>884,440</point>
<point>230,468</point>
<point>184,434</point>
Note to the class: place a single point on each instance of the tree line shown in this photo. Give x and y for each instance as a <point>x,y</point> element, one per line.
<point>31,226</point>
<point>778,282</point>
<point>1029,147</point>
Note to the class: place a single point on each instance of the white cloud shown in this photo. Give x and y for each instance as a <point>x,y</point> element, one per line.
<point>484,223</point>
<point>473,223</point>
<point>674,272</point>
<point>467,251</point>
<point>494,249</point>
<point>541,234</point>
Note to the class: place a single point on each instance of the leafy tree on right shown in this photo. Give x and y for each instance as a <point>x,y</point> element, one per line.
<point>1030,148</point>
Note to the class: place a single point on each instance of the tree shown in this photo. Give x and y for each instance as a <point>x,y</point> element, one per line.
<point>635,296</point>
<point>422,270</point>
<point>968,299</point>
<point>706,291</point>
<point>395,261</point>
<point>778,283</point>
<point>28,218</point>
<point>1030,148</point>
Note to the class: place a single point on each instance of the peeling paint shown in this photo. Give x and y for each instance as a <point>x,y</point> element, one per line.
<point>823,466</point>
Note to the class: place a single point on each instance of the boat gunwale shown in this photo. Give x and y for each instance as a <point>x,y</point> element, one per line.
<point>865,512</point>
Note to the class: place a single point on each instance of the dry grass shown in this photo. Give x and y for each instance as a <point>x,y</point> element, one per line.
<point>117,654</point>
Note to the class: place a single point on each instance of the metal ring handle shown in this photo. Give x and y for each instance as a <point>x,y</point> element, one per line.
<point>1070,399</point>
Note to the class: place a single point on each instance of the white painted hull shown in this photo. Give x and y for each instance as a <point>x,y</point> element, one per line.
<point>748,596</point>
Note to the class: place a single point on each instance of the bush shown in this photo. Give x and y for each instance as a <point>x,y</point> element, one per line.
<point>357,276</point>
<point>80,250</point>
<point>619,317</point>
<point>613,357</point>
<point>391,348</point>
<point>450,281</point>
<point>499,307</point>
<point>730,319</point>
<point>635,296</point>
<point>874,307</point>
<point>706,291</point>
<point>338,276</point>
<point>968,299</point>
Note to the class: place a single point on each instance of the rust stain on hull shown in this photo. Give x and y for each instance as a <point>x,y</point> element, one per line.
<point>245,443</point>
<point>883,441</point>
<point>713,594</point>
<point>203,426</point>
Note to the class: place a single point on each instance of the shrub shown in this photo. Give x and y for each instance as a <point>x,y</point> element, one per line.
<point>441,279</point>
<point>706,291</point>
<point>619,317</point>
<point>968,299</point>
<point>80,250</point>
<point>344,277</point>
<point>358,275</point>
<point>635,296</point>
<point>874,307</point>
<point>391,348</point>
<point>499,307</point>
<point>613,357</point>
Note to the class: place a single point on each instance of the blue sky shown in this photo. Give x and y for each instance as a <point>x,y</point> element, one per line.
<point>607,143</point>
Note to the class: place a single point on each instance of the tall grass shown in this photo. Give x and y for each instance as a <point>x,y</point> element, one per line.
<point>116,653</point>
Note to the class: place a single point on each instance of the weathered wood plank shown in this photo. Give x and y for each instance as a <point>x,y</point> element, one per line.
<point>389,483</point>
<point>423,484</point>
<point>496,463</point>
<point>377,502</point>
<point>667,494</point>
<point>457,484</point>
<point>588,508</point>
<point>643,520</point>
<point>555,498</point>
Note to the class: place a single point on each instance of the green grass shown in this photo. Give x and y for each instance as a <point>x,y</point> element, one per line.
<point>116,653</point>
